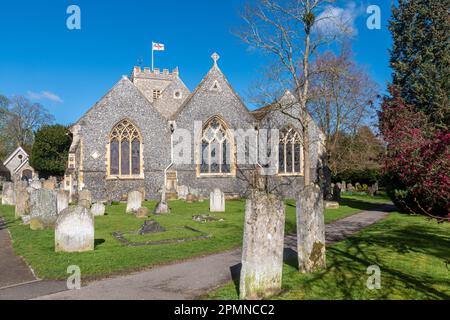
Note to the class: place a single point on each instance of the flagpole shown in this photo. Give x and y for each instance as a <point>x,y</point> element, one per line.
<point>152,58</point>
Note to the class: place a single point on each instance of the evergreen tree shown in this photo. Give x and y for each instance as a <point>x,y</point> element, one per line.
<point>420,56</point>
<point>50,150</point>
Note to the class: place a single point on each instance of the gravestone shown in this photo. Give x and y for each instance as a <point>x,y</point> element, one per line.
<point>182,192</point>
<point>262,252</point>
<point>371,191</point>
<point>310,230</point>
<point>43,209</point>
<point>343,187</point>
<point>217,201</point>
<point>8,194</point>
<point>62,200</point>
<point>98,209</point>
<point>350,188</point>
<point>161,208</point>
<point>134,201</point>
<point>337,192</point>
<point>49,184</point>
<point>190,198</point>
<point>358,186</point>
<point>142,212</point>
<point>74,230</point>
<point>331,205</point>
<point>22,203</point>
<point>36,184</point>
<point>151,226</point>
<point>85,198</point>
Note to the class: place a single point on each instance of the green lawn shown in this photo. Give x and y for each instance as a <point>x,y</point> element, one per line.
<point>111,256</point>
<point>411,252</point>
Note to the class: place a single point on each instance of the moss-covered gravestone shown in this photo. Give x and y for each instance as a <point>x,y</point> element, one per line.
<point>262,253</point>
<point>43,210</point>
<point>74,230</point>
<point>310,230</point>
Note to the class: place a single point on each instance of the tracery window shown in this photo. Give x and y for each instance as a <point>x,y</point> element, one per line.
<point>216,149</point>
<point>125,147</point>
<point>290,150</point>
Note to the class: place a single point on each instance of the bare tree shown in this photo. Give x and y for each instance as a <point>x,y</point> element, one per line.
<point>19,119</point>
<point>291,31</point>
<point>342,100</point>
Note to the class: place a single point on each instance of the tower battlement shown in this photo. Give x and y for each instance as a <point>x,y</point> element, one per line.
<point>157,73</point>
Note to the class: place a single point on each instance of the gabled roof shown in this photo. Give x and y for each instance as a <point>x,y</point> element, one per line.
<point>123,81</point>
<point>262,112</point>
<point>14,153</point>
<point>215,68</point>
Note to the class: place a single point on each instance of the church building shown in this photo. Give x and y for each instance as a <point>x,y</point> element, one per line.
<point>125,141</point>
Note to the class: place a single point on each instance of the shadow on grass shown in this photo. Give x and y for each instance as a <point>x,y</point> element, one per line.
<point>347,263</point>
<point>98,242</point>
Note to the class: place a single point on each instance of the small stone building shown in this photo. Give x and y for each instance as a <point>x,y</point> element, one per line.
<point>18,165</point>
<point>128,140</point>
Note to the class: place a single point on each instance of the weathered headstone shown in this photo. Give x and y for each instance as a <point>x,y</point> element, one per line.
<point>43,210</point>
<point>337,192</point>
<point>343,186</point>
<point>22,203</point>
<point>74,230</point>
<point>142,212</point>
<point>262,253</point>
<point>8,194</point>
<point>190,198</point>
<point>161,208</point>
<point>350,188</point>
<point>49,184</point>
<point>151,226</point>
<point>331,205</point>
<point>371,191</point>
<point>310,230</point>
<point>358,186</point>
<point>134,201</point>
<point>62,200</point>
<point>182,192</point>
<point>85,198</point>
<point>36,184</point>
<point>98,209</point>
<point>217,201</point>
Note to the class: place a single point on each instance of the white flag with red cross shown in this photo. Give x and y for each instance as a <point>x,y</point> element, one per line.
<point>158,46</point>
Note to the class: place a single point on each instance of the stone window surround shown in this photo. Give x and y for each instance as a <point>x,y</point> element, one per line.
<point>119,176</point>
<point>230,138</point>
<point>290,129</point>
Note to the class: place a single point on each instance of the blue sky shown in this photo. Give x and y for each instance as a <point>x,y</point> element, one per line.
<point>68,71</point>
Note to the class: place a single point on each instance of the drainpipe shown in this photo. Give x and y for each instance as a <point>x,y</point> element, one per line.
<point>172,129</point>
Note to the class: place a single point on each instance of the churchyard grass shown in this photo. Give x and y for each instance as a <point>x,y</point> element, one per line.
<point>112,257</point>
<point>411,252</point>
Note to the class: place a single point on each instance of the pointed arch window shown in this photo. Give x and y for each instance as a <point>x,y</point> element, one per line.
<point>290,157</point>
<point>125,151</point>
<point>216,149</point>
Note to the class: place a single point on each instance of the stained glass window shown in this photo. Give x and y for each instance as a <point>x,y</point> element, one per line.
<point>216,148</point>
<point>290,152</point>
<point>125,150</point>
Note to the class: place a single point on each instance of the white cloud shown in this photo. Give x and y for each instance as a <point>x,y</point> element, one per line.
<point>44,95</point>
<point>336,20</point>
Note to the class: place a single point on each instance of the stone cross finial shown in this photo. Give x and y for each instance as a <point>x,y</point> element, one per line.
<point>215,57</point>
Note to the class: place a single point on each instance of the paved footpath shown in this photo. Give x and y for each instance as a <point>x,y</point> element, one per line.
<point>189,279</point>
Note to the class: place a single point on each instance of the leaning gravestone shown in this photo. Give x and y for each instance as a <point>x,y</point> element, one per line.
<point>85,198</point>
<point>43,211</point>
<point>262,252</point>
<point>22,203</point>
<point>8,194</point>
<point>217,201</point>
<point>62,200</point>
<point>74,230</point>
<point>98,209</point>
<point>310,230</point>
<point>134,201</point>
